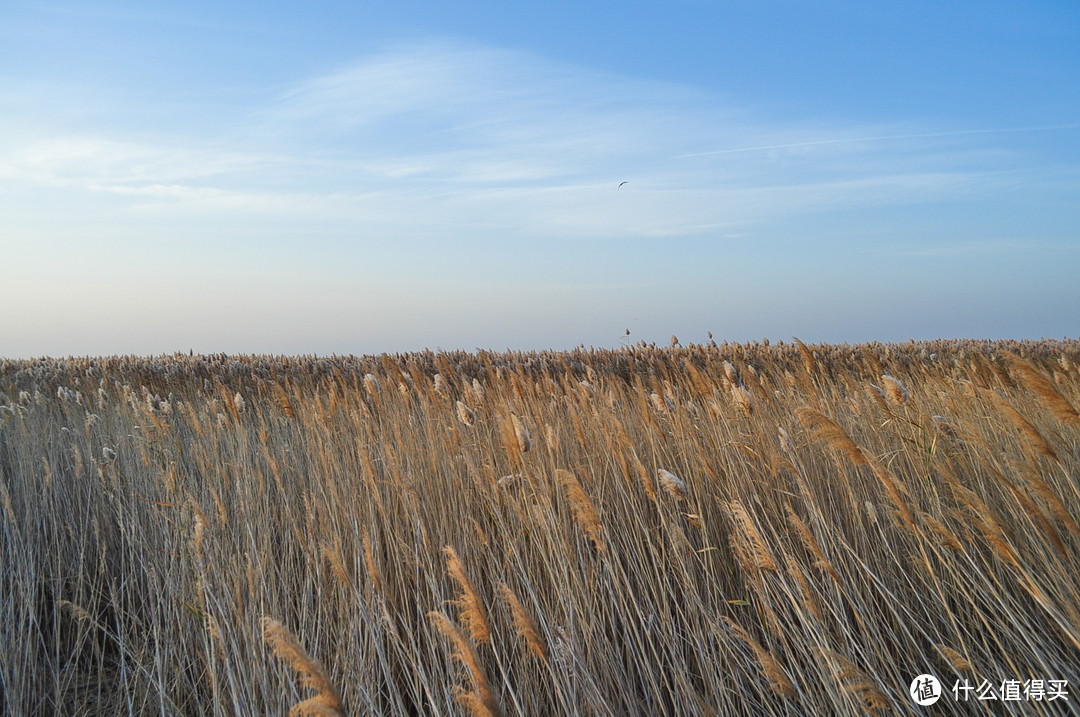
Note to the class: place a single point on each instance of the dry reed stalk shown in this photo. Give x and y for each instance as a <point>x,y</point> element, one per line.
<point>481,701</point>
<point>996,370</point>
<point>584,510</point>
<point>523,623</point>
<point>808,540</point>
<point>749,545</point>
<point>824,428</point>
<point>1038,384</point>
<point>471,610</point>
<point>983,518</point>
<point>518,389</point>
<point>313,675</point>
<point>579,428</point>
<point>392,369</point>
<point>214,629</point>
<point>1066,625</point>
<point>222,512</point>
<point>515,437</point>
<point>778,679</point>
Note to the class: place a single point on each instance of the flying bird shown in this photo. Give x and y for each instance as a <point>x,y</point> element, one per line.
<point>620,185</point>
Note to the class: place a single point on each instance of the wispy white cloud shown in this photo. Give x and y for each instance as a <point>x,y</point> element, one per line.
<point>444,137</point>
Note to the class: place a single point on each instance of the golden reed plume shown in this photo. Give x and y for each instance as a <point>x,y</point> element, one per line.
<point>312,674</point>
<point>584,510</point>
<point>471,609</point>
<point>481,701</point>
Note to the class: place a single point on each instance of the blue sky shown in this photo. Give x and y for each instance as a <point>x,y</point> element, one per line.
<point>325,177</point>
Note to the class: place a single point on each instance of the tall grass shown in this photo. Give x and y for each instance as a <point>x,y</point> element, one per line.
<point>712,529</point>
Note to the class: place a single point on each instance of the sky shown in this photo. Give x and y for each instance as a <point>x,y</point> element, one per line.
<point>342,177</point>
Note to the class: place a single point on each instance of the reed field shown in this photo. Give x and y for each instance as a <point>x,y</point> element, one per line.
<point>746,529</point>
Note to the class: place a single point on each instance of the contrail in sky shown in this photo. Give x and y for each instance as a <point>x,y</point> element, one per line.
<point>848,140</point>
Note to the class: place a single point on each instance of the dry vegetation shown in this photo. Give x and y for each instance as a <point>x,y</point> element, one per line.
<point>728,530</point>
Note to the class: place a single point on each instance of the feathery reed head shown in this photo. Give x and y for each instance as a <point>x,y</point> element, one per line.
<point>778,679</point>
<point>672,483</point>
<point>465,414</point>
<point>472,612</point>
<point>747,541</point>
<point>824,428</point>
<point>481,701</point>
<point>312,673</point>
<point>524,440</point>
<point>895,389</point>
<point>523,623</point>
<point>1038,384</point>
<point>584,510</point>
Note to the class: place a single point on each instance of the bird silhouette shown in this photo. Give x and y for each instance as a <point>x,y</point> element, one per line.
<point>620,185</point>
